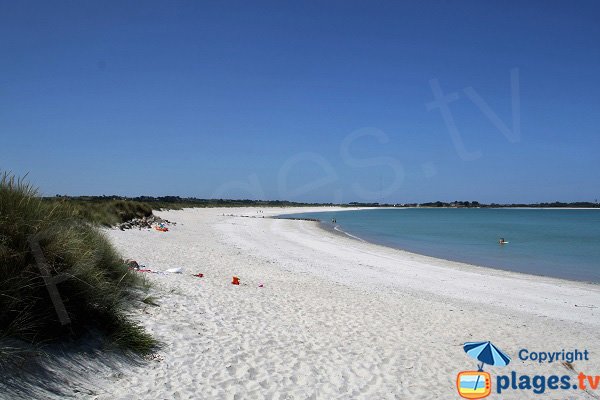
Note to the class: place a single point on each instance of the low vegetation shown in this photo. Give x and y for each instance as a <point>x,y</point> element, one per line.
<point>112,210</point>
<point>97,285</point>
<point>105,212</point>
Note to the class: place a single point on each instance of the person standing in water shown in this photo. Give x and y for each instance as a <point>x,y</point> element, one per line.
<point>502,241</point>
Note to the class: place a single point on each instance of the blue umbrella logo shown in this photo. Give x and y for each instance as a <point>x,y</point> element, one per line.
<point>486,353</point>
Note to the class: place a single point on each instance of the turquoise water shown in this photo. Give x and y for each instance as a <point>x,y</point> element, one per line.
<point>557,243</point>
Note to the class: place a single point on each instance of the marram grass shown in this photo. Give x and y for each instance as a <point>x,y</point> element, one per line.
<point>98,286</point>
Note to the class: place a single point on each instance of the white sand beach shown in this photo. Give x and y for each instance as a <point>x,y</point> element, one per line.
<point>336,318</point>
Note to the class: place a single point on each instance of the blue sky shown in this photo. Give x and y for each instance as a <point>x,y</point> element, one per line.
<point>314,101</point>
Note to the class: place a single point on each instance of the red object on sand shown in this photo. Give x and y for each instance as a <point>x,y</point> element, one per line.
<point>235,280</point>
<point>199,275</point>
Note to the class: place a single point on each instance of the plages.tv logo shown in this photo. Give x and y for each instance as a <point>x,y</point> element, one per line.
<point>478,384</point>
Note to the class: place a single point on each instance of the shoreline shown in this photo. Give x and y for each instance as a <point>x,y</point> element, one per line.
<point>326,226</point>
<point>431,269</point>
<point>461,264</point>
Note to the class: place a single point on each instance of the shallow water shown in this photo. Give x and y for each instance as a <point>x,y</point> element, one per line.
<point>556,243</point>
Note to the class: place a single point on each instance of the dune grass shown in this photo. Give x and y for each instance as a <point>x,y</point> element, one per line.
<point>105,212</point>
<point>151,300</point>
<point>98,286</point>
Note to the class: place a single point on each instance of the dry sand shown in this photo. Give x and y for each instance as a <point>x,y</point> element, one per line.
<point>336,318</point>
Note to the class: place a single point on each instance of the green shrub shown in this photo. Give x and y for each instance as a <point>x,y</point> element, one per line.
<point>109,212</point>
<point>99,285</point>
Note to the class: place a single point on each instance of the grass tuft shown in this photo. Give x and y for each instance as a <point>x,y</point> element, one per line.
<point>98,285</point>
<point>151,300</point>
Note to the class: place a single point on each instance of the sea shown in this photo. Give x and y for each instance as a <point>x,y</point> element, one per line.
<point>560,243</point>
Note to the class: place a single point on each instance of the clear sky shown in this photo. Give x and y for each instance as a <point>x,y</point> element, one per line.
<point>307,100</point>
